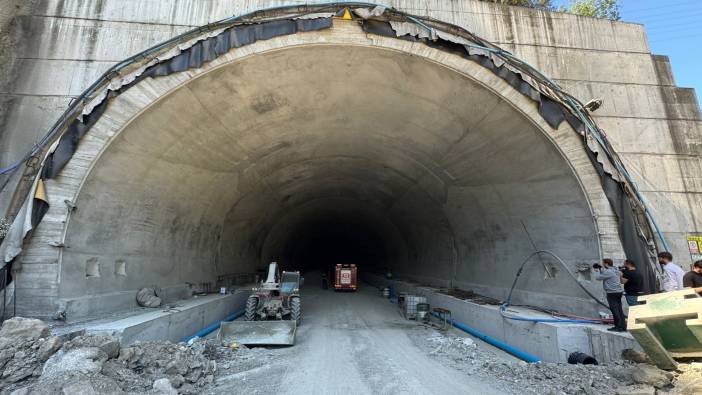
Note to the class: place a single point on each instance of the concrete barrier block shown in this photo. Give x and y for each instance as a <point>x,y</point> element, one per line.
<point>668,326</point>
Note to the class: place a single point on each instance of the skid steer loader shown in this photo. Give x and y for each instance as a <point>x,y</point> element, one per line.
<point>273,312</point>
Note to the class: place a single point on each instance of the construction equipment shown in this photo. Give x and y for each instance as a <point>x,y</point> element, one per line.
<point>345,277</point>
<point>273,312</point>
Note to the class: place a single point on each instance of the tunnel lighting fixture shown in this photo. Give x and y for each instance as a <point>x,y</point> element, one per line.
<point>594,104</point>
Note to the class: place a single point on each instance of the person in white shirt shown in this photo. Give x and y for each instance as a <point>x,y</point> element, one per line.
<point>672,273</point>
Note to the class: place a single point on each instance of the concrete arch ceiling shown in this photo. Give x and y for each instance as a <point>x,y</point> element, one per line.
<point>409,163</point>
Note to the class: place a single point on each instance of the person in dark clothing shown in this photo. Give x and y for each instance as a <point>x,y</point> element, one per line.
<point>632,281</point>
<point>611,282</point>
<point>693,278</point>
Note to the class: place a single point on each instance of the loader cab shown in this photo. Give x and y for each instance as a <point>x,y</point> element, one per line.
<point>290,282</point>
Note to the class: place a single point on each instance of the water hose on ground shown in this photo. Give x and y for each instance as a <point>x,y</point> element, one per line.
<point>523,355</point>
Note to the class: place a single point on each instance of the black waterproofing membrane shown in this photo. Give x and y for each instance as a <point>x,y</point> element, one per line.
<point>554,113</point>
<point>635,246</point>
<point>194,57</point>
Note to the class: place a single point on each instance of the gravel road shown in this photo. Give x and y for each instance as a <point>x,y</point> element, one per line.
<point>353,343</point>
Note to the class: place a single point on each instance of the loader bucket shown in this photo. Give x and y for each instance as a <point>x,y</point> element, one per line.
<point>258,333</point>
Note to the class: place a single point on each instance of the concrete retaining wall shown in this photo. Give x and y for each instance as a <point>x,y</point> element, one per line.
<point>549,342</point>
<point>189,317</point>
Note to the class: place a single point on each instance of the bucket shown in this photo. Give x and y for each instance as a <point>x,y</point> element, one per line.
<point>581,358</point>
<point>423,311</point>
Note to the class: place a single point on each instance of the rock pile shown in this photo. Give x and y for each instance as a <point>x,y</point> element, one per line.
<point>25,344</point>
<point>689,382</point>
<point>621,378</point>
<point>33,362</point>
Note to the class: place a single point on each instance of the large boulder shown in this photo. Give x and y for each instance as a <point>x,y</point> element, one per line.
<point>48,347</point>
<point>76,383</point>
<point>87,360</point>
<point>25,344</point>
<point>164,387</point>
<point>632,355</point>
<point>651,375</point>
<point>146,297</point>
<point>108,344</point>
<point>24,328</point>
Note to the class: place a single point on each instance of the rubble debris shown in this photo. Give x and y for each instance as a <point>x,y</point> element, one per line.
<point>25,344</point>
<point>651,375</point>
<point>24,327</point>
<point>159,358</point>
<point>96,364</point>
<point>632,355</point>
<point>147,297</point>
<point>107,344</point>
<point>689,381</point>
<point>87,360</point>
<point>75,383</point>
<point>519,377</point>
<point>163,386</point>
<point>637,389</point>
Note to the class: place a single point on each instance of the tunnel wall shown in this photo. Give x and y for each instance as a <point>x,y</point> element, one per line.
<point>60,47</point>
<point>467,231</point>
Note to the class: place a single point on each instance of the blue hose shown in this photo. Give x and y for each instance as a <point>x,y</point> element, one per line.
<point>524,356</point>
<point>209,329</point>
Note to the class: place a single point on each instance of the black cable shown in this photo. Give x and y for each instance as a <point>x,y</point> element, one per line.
<point>521,267</point>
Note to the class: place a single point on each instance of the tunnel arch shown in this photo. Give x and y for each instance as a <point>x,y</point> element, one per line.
<point>122,155</point>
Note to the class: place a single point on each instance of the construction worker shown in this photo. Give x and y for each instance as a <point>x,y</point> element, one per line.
<point>693,278</point>
<point>611,282</point>
<point>632,281</point>
<point>672,273</point>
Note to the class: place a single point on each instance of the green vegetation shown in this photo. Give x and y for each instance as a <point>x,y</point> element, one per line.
<point>595,8</point>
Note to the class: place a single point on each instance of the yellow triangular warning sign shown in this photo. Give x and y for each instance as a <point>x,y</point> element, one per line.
<point>346,16</point>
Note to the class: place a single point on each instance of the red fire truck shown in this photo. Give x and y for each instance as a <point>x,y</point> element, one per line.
<point>345,277</point>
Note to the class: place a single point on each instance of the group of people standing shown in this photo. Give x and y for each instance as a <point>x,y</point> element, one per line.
<point>627,281</point>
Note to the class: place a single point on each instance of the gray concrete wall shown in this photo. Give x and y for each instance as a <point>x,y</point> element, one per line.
<point>60,47</point>
<point>550,342</point>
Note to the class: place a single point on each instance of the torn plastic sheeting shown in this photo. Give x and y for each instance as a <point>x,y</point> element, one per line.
<point>126,79</point>
<point>201,52</point>
<point>25,220</point>
<point>550,110</point>
<point>554,113</point>
<point>366,13</point>
<point>635,246</point>
<point>412,29</point>
<point>453,38</point>
<point>316,15</point>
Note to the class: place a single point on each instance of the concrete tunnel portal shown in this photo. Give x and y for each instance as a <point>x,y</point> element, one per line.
<point>323,154</point>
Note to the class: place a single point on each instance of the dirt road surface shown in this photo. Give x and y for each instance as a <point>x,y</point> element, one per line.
<point>353,343</point>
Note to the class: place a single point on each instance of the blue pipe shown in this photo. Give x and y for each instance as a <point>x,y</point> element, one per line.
<point>524,356</point>
<point>209,329</point>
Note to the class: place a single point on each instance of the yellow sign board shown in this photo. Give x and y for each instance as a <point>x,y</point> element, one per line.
<point>694,244</point>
